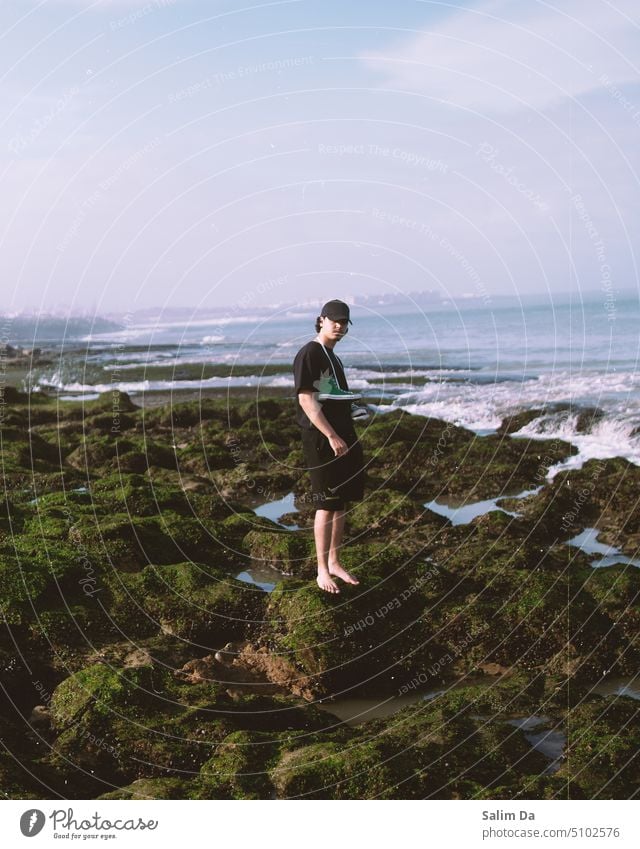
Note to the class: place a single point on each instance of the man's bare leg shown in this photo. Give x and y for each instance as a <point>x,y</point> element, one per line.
<point>337,532</point>
<point>322,531</point>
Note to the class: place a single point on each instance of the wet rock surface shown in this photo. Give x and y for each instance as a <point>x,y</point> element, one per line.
<point>134,665</point>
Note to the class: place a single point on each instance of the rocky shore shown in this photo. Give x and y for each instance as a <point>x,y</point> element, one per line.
<point>135,663</point>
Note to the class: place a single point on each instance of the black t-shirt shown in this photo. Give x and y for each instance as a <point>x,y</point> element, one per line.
<point>310,364</point>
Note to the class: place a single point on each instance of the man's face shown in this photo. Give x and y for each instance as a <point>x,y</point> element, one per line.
<point>334,328</point>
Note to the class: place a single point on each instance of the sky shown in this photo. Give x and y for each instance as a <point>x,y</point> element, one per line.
<point>182,153</point>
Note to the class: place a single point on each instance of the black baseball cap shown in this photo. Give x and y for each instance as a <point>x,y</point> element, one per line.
<point>336,311</point>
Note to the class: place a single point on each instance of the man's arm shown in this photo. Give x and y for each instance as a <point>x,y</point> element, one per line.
<point>313,410</point>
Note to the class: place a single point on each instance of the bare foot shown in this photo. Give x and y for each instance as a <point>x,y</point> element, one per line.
<point>338,572</point>
<point>325,583</point>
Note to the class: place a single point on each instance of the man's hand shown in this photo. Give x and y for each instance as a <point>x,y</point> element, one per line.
<point>338,444</point>
<point>313,409</point>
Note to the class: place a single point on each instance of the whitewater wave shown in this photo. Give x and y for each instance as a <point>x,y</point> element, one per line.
<point>138,386</point>
<point>610,436</point>
<point>483,407</point>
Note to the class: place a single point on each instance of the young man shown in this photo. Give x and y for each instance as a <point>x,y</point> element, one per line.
<point>332,452</point>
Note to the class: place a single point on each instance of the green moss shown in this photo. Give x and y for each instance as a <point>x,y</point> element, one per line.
<point>604,748</point>
<point>329,771</point>
<point>239,768</point>
<point>153,788</point>
<point>368,634</point>
<point>382,511</point>
<point>282,550</point>
<point>98,687</point>
<point>31,572</point>
<point>189,600</point>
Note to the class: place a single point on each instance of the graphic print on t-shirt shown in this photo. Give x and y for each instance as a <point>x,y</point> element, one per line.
<point>324,383</point>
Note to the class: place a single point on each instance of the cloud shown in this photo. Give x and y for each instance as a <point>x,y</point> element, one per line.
<point>506,55</point>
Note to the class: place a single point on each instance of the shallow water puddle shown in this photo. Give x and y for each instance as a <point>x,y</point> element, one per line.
<point>274,509</point>
<point>549,742</point>
<point>77,489</point>
<point>462,514</point>
<point>619,686</point>
<point>587,541</point>
<point>354,711</point>
<point>261,576</point>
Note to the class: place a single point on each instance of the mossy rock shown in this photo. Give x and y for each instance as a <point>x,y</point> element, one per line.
<point>15,782</point>
<point>127,724</point>
<point>114,453</point>
<point>603,493</point>
<point>603,749</point>
<point>130,543</point>
<point>240,767</point>
<point>12,395</point>
<point>111,422</point>
<point>70,626</point>
<point>329,771</point>
<point>529,619</point>
<point>187,413</point>
<point>434,751</point>
<point>101,690</point>
<point>282,550</point>
<point>95,452</point>
<point>116,400</point>
<point>235,528</point>
<point>140,723</point>
<point>616,590</point>
<point>18,778</point>
<point>35,575</point>
<point>367,636</point>
<point>427,458</point>
<point>29,451</point>
<point>203,459</point>
<point>382,511</point>
<point>137,496</point>
<point>188,600</point>
<point>399,426</point>
<point>153,788</point>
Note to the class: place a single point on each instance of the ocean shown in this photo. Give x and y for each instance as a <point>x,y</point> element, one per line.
<point>473,363</point>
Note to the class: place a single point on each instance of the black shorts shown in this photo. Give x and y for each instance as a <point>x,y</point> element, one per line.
<point>334,480</point>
